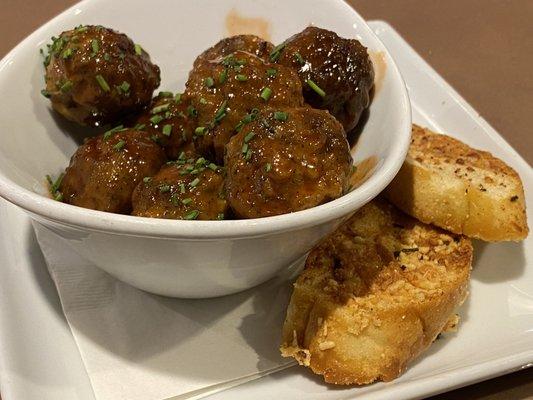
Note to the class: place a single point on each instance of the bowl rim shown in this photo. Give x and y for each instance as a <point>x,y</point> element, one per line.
<point>43,208</point>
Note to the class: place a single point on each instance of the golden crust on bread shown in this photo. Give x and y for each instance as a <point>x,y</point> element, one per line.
<point>374,295</point>
<point>451,185</point>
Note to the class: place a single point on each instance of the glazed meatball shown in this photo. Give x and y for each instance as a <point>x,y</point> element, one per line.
<point>169,123</point>
<point>286,161</point>
<point>95,75</point>
<point>336,73</point>
<point>226,94</point>
<point>249,43</point>
<point>105,170</point>
<point>182,189</point>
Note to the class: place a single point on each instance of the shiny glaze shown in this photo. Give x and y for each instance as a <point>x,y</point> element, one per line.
<point>341,67</point>
<point>102,177</point>
<point>78,56</point>
<point>240,97</point>
<point>293,165</point>
<point>249,43</point>
<point>167,109</point>
<point>173,194</point>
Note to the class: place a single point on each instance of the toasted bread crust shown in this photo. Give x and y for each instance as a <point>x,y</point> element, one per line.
<point>374,295</point>
<point>451,185</point>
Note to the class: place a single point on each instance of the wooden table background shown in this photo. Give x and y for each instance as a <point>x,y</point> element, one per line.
<point>483,48</point>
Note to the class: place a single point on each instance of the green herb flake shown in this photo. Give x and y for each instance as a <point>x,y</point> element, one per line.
<point>147,179</point>
<point>244,148</point>
<point>316,88</point>
<point>53,187</point>
<point>249,137</point>
<point>160,108</point>
<point>182,187</point>
<point>200,130</point>
<point>268,167</point>
<point>281,116</point>
<point>167,129</point>
<point>266,93</point>
<point>125,87</point>
<point>165,93</point>
<point>177,98</point>
<point>223,76</point>
<point>209,82</point>
<point>66,87</point>
<point>138,49</point>
<point>248,154</point>
<point>202,101</point>
<point>191,215</point>
<point>220,216</point>
<point>192,112</point>
<point>67,53</point>
<point>271,72</point>
<point>119,145</point>
<point>102,82</point>
<point>107,57</point>
<point>95,46</point>
<point>164,188</point>
<point>241,77</point>
<point>156,119</point>
<point>186,201</point>
<point>298,57</point>
<point>194,182</point>
<point>46,93</point>
<point>276,52</point>
<point>212,166</point>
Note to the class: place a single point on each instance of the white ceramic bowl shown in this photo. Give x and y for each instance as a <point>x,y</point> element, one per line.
<point>184,258</point>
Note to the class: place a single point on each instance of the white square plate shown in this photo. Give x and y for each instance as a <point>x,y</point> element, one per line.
<point>39,359</point>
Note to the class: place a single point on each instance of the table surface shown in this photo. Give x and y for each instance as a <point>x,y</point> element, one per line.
<point>483,48</point>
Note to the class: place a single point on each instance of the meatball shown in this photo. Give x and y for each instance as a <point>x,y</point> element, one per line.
<point>286,161</point>
<point>95,75</point>
<point>249,43</point>
<point>183,189</point>
<point>105,170</point>
<point>169,123</point>
<point>336,73</point>
<point>226,94</point>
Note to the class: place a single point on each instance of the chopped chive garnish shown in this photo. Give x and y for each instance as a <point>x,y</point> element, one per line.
<point>201,160</point>
<point>124,87</point>
<point>66,87</point>
<point>316,88</point>
<point>202,100</point>
<point>281,116</point>
<point>53,186</point>
<point>164,188</point>
<point>241,77</point>
<point>213,166</point>
<point>244,148</point>
<point>46,93</point>
<point>200,130</point>
<point>156,119</point>
<point>95,46</point>
<point>249,137</point>
<point>220,216</point>
<point>177,98</point>
<point>192,111</point>
<point>147,179</point>
<point>102,82</point>
<point>161,108</point>
<point>268,167</point>
<point>165,94</point>
<point>195,182</point>
<point>119,145</point>
<point>67,53</point>
<point>223,76</point>
<point>274,55</point>
<point>107,57</point>
<point>181,156</point>
<point>266,93</point>
<point>58,196</point>
<point>186,201</point>
<point>167,129</point>
<point>271,72</point>
<point>182,187</point>
<point>138,49</point>
<point>192,215</point>
<point>209,82</point>
<point>221,112</point>
<point>81,28</point>
<point>110,132</point>
<point>248,154</point>
<point>139,127</point>
<point>298,57</point>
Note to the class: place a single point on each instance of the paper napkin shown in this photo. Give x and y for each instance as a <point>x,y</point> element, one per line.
<point>139,346</point>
